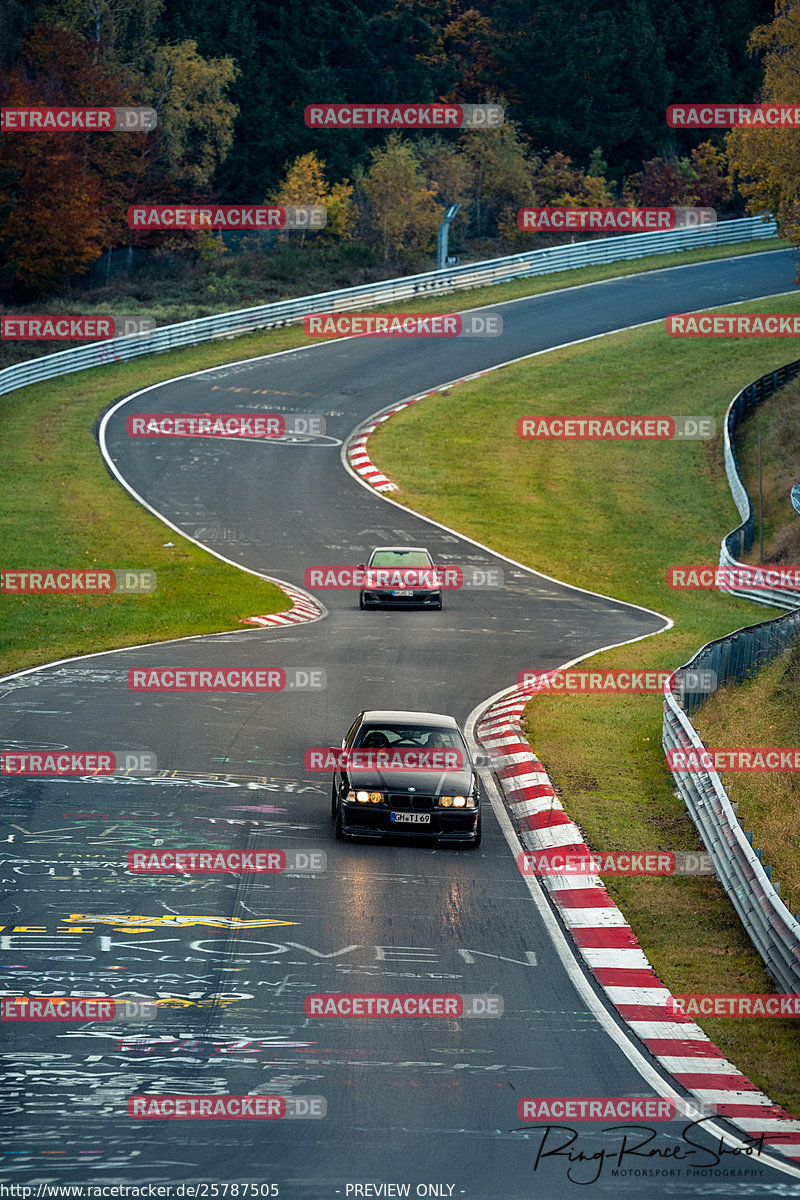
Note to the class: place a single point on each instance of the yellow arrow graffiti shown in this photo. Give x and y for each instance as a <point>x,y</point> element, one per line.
<point>171,921</point>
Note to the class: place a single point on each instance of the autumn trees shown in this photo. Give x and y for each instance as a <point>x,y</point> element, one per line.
<point>63,196</point>
<point>767,161</point>
<point>584,86</point>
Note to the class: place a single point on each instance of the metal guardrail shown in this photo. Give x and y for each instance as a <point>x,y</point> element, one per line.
<point>740,539</point>
<point>769,924</point>
<point>287,312</point>
<point>773,930</point>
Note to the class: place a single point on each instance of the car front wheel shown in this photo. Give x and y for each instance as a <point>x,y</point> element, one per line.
<point>338,826</point>
<point>474,845</point>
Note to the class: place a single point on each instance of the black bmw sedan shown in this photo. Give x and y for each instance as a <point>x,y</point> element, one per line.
<point>406,773</point>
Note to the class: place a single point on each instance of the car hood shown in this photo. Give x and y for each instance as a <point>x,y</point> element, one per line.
<point>440,783</point>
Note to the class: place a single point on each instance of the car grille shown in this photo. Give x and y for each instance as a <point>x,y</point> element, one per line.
<point>404,802</point>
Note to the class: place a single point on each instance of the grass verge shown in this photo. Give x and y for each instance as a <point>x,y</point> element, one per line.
<point>763,711</point>
<point>611,516</point>
<point>60,508</point>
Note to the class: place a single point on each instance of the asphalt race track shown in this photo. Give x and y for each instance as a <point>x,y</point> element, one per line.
<point>432,1103</point>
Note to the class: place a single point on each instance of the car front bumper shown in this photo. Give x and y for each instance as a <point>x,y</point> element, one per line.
<point>420,598</point>
<point>443,824</point>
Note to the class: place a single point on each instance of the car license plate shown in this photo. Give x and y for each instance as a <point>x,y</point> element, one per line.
<point>412,818</point>
<point>408,593</point>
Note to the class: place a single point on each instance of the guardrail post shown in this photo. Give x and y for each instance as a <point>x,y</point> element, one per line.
<point>443,235</point>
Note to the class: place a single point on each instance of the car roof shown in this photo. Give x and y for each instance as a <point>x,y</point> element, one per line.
<point>402,549</point>
<point>386,716</point>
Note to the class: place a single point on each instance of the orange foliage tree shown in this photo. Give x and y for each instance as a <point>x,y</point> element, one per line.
<point>59,189</point>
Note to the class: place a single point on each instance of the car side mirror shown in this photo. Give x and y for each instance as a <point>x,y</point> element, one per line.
<point>361,566</point>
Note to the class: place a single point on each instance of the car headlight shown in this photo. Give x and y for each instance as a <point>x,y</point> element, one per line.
<point>364,797</point>
<point>458,801</point>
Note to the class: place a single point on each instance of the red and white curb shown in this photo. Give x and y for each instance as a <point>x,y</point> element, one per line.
<point>609,947</point>
<point>357,455</point>
<point>303,609</point>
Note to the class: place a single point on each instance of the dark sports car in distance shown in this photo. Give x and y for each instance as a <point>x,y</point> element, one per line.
<point>373,796</point>
<point>398,578</point>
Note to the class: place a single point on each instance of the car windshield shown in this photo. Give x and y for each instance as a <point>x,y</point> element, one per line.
<point>373,737</point>
<point>401,558</point>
